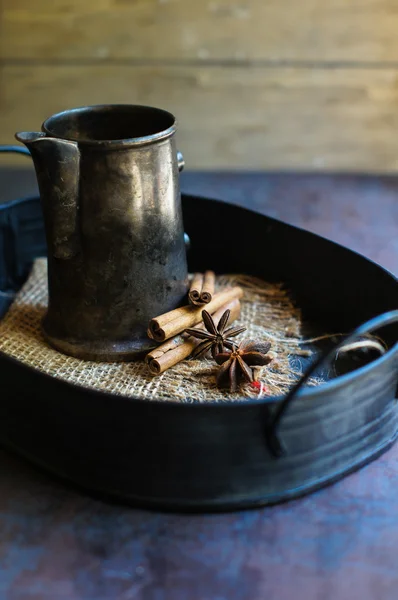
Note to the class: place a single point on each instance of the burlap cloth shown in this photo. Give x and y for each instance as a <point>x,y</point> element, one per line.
<point>267,312</point>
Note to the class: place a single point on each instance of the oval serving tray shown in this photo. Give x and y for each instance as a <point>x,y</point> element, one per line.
<point>213,456</point>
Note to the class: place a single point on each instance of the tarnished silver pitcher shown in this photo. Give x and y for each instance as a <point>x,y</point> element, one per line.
<point>109,185</point>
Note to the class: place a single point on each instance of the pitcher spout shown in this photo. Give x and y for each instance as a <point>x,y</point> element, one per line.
<point>57,170</point>
<point>29,137</point>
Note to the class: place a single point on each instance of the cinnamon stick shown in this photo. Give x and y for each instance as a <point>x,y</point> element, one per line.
<point>170,324</point>
<point>196,289</point>
<point>180,347</point>
<point>202,288</point>
<point>209,280</point>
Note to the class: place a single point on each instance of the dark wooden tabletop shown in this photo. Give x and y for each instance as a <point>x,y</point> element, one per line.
<point>340,543</point>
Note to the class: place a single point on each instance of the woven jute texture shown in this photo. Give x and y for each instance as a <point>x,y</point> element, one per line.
<point>267,312</point>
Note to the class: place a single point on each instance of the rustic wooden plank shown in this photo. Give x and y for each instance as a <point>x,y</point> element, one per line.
<point>324,119</point>
<point>238,30</point>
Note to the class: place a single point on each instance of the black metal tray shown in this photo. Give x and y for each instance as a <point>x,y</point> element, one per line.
<point>214,456</point>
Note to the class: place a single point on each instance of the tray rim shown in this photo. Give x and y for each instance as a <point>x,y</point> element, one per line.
<point>305,394</point>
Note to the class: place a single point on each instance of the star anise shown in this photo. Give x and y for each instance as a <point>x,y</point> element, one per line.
<point>235,365</point>
<point>216,337</point>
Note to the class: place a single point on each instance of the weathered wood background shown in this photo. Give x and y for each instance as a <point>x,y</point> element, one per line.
<point>255,84</point>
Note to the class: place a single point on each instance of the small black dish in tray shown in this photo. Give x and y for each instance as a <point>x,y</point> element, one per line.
<point>215,456</point>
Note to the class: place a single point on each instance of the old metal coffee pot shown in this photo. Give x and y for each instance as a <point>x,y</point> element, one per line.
<point>109,186</point>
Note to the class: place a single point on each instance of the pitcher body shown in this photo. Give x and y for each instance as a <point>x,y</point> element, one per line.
<point>109,185</point>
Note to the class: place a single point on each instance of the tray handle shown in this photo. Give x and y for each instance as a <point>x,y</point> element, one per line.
<point>14,148</point>
<point>275,445</point>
